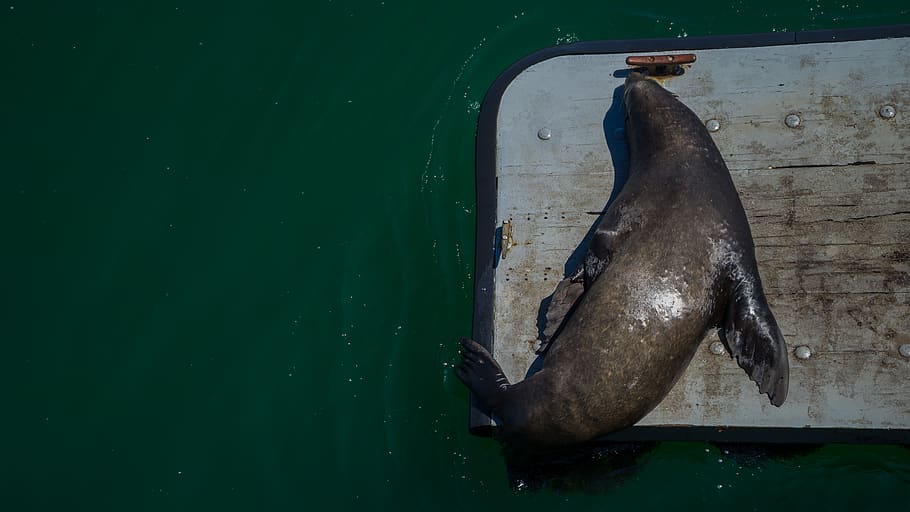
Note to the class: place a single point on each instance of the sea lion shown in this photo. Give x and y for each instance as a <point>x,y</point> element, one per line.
<point>671,258</point>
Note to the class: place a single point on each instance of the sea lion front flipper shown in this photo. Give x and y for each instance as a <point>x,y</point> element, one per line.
<point>567,292</point>
<point>750,332</point>
<point>562,300</point>
<point>600,251</point>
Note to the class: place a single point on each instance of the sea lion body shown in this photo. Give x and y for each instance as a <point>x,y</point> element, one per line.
<point>671,259</point>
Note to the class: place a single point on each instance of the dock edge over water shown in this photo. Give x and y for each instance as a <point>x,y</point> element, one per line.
<point>769,209</point>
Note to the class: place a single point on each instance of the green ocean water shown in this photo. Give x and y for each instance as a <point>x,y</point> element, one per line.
<point>237,253</point>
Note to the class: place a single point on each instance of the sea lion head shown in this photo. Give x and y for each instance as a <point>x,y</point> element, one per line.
<point>639,94</point>
<point>658,124</point>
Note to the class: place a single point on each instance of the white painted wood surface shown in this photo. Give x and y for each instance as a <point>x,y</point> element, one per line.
<point>828,202</point>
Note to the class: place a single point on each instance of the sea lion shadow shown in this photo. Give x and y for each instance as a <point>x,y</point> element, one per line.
<point>594,468</point>
<point>615,138</point>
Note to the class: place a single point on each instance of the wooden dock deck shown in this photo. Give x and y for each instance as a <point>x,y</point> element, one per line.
<point>827,194</point>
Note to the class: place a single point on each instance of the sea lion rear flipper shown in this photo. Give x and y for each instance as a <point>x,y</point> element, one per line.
<point>481,374</point>
<point>751,334</point>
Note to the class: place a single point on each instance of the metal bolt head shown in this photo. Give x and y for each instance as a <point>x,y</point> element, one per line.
<point>712,125</point>
<point>802,352</point>
<point>716,348</point>
<point>887,112</point>
<point>544,134</point>
<point>793,121</point>
<point>904,350</point>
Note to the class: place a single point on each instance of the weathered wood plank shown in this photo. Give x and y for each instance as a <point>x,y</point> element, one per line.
<point>848,302</point>
<point>832,240</point>
<point>837,90</point>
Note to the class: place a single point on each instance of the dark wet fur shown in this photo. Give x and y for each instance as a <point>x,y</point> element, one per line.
<point>678,218</point>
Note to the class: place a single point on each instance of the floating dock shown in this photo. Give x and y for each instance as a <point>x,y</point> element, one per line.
<point>815,128</point>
